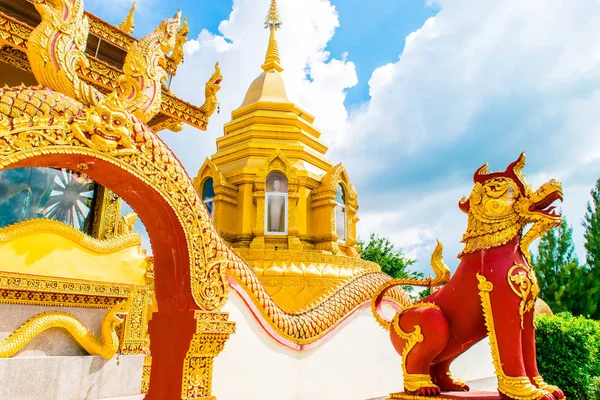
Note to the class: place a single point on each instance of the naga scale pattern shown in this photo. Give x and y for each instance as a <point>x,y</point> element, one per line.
<point>106,347</point>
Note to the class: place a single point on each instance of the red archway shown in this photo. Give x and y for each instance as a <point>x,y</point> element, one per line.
<point>172,328</point>
<point>190,258</point>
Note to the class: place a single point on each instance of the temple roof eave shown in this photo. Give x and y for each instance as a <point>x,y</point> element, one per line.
<point>249,159</point>
<point>284,135</point>
<point>272,106</point>
<point>271,123</point>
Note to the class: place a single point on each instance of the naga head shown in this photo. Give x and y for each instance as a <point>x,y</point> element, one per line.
<point>183,32</point>
<point>213,85</point>
<point>51,8</point>
<point>168,31</point>
<point>109,124</point>
<point>59,10</point>
<point>502,204</point>
<point>117,314</point>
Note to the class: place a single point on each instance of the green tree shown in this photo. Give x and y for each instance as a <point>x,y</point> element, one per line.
<point>561,278</point>
<point>393,262</point>
<point>382,251</point>
<point>591,223</point>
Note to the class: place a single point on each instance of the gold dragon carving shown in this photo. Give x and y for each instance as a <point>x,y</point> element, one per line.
<point>109,127</point>
<point>178,53</point>
<point>140,87</point>
<point>56,51</point>
<point>106,347</point>
<point>15,35</point>
<point>128,23</point>
<point>56,48</point>
<point>213,85</point>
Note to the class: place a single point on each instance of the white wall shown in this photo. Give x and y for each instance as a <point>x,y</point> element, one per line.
<point>357,363</point>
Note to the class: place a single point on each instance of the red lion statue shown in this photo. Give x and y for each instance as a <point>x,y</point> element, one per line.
<point>492,293</point>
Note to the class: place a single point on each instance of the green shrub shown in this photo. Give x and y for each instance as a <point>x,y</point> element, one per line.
<point>568,354</point>
<point>595,390</point>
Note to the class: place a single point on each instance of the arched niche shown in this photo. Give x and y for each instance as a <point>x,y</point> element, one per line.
<point>225,198</point>
<point>207,193</point>
<point>325,204</point>
<point>276,199</point>
<point>276,163</point>
<point>190,263</point>
<point>341,220</point>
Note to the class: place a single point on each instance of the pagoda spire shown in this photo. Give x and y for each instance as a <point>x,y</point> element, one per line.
<point>127,25</point>
<point>272,22</point>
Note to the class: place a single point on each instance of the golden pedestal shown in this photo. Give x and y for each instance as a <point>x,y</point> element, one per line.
<point>212,331</point>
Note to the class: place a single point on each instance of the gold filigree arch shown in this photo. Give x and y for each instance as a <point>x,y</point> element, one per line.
<point>41,127</point>
<point>336,176</point>
<point>35,140</point>
<point>277,162</point>
<point>72,125</point>
<point>220,183</point>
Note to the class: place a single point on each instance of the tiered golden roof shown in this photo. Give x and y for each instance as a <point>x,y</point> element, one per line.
<point>314,252</point>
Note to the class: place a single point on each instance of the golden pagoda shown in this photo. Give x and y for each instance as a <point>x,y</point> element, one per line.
<point>80,298</point>
<point>275,196</point>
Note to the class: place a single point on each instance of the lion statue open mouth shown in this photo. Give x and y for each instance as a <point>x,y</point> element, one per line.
<point>492,293</point>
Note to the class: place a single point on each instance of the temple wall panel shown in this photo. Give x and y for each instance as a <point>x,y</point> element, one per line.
<point>246,215</point>
<point>226,216</point>
<point>323,225</point>
<point>357,363</point>
<point>71,378</point>
<point>302,219</point>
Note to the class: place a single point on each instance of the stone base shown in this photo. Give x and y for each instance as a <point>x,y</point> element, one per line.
<point>476,395</point>
<point>71,378</point>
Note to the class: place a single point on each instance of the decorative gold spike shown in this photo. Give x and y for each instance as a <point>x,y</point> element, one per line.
<point>273,18</point>
<point>180,40</point>
<point>272,22</point>
<point>128,24</point>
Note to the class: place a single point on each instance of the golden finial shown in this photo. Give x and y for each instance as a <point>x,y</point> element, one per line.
<point>180,40</point>
<point>127,25</point>
<point>272,22</point>
<point>273,18</point>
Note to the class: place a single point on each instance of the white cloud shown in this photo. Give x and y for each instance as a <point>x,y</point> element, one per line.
<point>313,80</point>
<point>480,81</point>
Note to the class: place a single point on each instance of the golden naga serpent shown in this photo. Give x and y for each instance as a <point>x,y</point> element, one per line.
<point>106,347</point>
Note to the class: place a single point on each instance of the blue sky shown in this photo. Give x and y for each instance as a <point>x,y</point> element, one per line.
<point>370,32</point>
<point>411,95</point>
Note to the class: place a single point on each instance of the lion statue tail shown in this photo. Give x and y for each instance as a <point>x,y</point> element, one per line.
<point>442,275</point>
